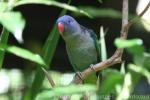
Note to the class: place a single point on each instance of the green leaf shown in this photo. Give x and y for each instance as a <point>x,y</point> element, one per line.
<point>100,1</point>
<point>3,39</point>
<point>47,54</point>
<point>122,70</point>
<point>23,53</point>
<point>14,22</point>
<point>112,79</point>
<point>125,93</point>
<point>53,3</point>
<point>138,54</point>
<point>140,70</point>
<point>66,90</point>
<point>134,47</point>
<point>103,44</point>
<point>122,43</point>
<point>100,12</point>
<point>3,6</point>
<point>146,62</point>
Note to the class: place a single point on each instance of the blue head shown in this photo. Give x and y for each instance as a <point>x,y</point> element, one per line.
<point>67,26</point>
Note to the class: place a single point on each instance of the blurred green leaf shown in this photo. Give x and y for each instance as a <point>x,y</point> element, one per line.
<point>23,53</point>
<point>111,79</point>
<point>122,70</point>
<point>3,39</point>
<point>53,3</point>
<point>140,70</point>
<point>134,47</point>
<point>65,90</point>
<point>56,78</point>
<point>103,44</point>
<point>122,43</point>
<point>136,50</point>
<point>16,79</point>
<point>100,1</point>
<point>14,22</point>
<point>47,54</point>
<point>125,93</point>
<point>138,54</point>
<point>100,12</point>
<point>3,6</point>
<point>146,62</point>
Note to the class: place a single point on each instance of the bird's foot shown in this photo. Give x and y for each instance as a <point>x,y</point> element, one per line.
<point>91,66</point>
<point>79,74</point>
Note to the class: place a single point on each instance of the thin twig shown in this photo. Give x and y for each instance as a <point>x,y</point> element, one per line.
<point>124,14</point>
<point>146,8</point>
<point>132,21</point>
<point>48,77</point>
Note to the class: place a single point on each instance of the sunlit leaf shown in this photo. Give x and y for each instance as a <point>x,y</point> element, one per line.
<point>14,23</point>
<point>112,78</point>
<point>103,44</point>
<point>134,47</point>
<point>122,70</point>
<point>140,70</point>
<point>3,39</point>
<point>16,78</point>
<point>100,12</point>
<point>23,53</point>
<point>3,6</point>
<point>125,93</point>
<point>122,43</point>
<point>145,19</point>
<point>66,90</point>
<point>53,3</point>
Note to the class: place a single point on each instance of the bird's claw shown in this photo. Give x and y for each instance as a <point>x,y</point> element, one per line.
<point>79,74</point>
<point>91,66</point>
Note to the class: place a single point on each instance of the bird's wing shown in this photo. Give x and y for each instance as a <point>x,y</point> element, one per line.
<point>97,46</point>
<point>94,37</point>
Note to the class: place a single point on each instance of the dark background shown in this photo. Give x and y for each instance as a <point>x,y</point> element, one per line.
<point>40,20</point>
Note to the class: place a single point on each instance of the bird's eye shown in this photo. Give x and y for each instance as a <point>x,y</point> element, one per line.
<point>69,21</point>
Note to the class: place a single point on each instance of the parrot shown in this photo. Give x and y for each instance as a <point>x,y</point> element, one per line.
<point>82,45</point>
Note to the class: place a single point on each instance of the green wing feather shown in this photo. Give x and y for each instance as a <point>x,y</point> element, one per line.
<point>96,42</point>
<point>93,78</point>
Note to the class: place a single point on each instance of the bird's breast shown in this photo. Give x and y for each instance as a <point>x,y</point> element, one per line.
<point>82,54</point>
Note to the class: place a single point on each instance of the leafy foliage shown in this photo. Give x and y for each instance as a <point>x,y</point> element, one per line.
<point>53,3</point>
<point>14,23</point>
<point>121,43</point>
<point>103,44</point>
<point>65,90</point>
<point>100,12</point>
<point>135,71</point>
<point>23,53</point>
<point>120,84</point>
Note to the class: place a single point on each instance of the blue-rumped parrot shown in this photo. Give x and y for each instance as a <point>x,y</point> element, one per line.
<point>82,45</point>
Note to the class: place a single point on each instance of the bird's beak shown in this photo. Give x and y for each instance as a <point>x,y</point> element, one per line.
<point>60,27</point>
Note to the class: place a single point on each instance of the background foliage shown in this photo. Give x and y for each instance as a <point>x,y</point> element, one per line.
<point>28,83</point>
